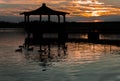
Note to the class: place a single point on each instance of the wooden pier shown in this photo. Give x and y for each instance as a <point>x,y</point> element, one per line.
<point>35,31</point>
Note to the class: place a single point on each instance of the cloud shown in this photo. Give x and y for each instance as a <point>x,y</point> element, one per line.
<point>76,8</point>
<point>111,2</point>
<point>30,1</point>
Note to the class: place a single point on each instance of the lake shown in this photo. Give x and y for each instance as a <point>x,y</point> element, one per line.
<point>79,62</point>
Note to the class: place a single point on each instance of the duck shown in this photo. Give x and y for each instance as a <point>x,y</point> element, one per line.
<point>42,50</point>
<point>21,46</point>
<point>18,50</point>
<point>30,49</point>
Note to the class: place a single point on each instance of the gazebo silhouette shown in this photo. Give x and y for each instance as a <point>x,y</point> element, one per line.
<point>35,30</point>
<point>44,10</point>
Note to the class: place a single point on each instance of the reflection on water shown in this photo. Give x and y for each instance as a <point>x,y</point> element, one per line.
<point>71,53</point>
<point>47,54</point>
<point>70,62</point>
<point>110,36</point>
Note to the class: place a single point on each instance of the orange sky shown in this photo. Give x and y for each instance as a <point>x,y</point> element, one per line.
<point>76,8</point>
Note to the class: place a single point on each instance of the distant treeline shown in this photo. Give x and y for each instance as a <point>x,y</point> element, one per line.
<point>4,24</point>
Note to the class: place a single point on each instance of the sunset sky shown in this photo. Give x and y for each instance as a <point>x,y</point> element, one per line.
<point>80,10</point>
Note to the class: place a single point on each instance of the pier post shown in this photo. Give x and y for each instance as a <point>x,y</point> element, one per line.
<point>93,36</point>
<point>62,37</point>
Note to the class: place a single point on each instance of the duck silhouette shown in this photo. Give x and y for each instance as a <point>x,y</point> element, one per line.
<point>21,46</point>
<point>42,50</point>
<point>30,49</point>
<point>18,50</point>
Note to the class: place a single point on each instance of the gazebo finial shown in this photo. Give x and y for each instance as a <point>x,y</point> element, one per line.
<point>44,4</point>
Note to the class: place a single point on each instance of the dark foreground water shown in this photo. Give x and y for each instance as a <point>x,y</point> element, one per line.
<point>80,62</point>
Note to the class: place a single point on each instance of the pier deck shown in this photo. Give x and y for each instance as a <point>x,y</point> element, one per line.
<point>36,31</point>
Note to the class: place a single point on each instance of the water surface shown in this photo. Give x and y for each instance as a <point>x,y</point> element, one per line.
<point>80,62</point>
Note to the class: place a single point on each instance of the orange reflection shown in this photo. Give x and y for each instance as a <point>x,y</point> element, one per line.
<point>84,53</point>
<point>97,21</point>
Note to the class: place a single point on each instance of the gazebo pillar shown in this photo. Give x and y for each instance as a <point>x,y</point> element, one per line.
<point>25,18</point>
<point>58,18</point>
<point>40,18</point>
<point>48,18</point>
<point>64,19</point>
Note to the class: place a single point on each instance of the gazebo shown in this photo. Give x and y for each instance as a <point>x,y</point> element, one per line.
<point>44,10</point>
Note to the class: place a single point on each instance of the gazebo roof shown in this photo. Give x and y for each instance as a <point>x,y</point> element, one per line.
<point>44,10</point>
